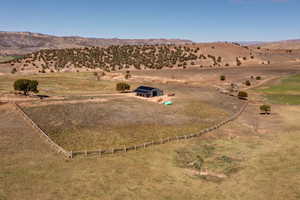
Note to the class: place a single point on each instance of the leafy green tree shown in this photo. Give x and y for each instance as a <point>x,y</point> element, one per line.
<point>26,86</point>
<point>242,95</point>
<point>14,70</point>
<point>266,109</point>
<point>122,87</point>
<point>222,77</point>
<point>248,83</point>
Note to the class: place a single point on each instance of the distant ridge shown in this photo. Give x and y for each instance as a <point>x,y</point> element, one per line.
<point>284,44</point>
<point>18,43</point>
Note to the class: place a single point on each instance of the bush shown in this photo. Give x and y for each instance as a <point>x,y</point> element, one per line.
<point>222,77</point>
<point>248,83</point>
<point>14,70</point>
<point>258,78</point>
<point>242,95</point>
<point>127,75</point>
<point>122,87</point>
<point>266,109</point>
<point>26,86</point>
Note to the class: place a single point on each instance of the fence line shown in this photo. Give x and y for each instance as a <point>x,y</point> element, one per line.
<point>43,135</point>
<point>102,152</point>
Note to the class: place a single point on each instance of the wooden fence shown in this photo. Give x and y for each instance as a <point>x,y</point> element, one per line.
<point>101,152</point>
<point>43,135</point>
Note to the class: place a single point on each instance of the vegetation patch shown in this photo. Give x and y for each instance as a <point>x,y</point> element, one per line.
<point>211,163</point>
<point>287,91</point>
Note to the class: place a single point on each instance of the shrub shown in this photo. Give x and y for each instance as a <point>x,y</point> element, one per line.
<point>258,78</point>
<point>14,70</point>
<point>238,62</point>
<point>127,75</point>
<point>226,64</point>
<point>248,83</point>
<point>122,87</point>
<point>222,77</point>
<point>266,109</point>
<point>242,95</point>
<point>26,86</point>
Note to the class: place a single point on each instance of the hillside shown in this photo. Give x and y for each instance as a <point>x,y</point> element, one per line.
<point>120,57</point>
<point>141,57</point>
<point>19,43</point>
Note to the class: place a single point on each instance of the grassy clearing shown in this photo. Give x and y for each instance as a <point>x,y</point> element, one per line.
<point>62,83</point>
<point>287,91</point>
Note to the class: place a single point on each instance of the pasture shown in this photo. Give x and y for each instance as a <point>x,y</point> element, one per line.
<point>283,91</point>
<point>254,157</point>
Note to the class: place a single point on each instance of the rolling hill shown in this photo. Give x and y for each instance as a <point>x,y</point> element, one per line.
<point>20,43</point>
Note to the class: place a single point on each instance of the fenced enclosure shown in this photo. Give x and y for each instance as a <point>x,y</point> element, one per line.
<point>102,152</point>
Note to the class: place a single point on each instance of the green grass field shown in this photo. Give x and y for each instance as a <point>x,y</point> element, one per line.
<point>287,91</point>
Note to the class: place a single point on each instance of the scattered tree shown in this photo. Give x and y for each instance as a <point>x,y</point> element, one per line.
<point>14,70</point>
<point>265,109</point>
<point>127,75</point>
<point>247,83</point>
<point>242,95</point>
<point>122,87</point>
<point>26,86</point>
<point>222,77</point>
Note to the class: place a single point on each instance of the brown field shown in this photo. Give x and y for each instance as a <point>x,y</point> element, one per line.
<point>254,157</point>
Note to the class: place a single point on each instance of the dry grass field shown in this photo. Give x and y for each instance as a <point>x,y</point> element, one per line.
<point>131,121</point>
<point>254,157</point>
<point>61,83</point>
<point>261,164</point>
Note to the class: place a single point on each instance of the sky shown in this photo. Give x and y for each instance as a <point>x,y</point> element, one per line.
<point>197,20</point>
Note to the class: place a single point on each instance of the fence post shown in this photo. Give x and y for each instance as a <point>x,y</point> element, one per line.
<point>124,148</point>
<point>144,145</point>
<point>112,150</point>
<point>71,154</point>
<point>85,153</point>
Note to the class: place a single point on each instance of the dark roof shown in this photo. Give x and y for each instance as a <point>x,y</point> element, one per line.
<point>145,89</point>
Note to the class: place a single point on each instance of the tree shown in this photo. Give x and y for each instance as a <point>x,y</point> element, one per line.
<point>127,75</point>
<point>14,70</point>
<point>266,109</point>
<point>26,86</point>
<point>248,83</point>
<point>122,87</point>
<point>242,95</point>
<point>222,77</point>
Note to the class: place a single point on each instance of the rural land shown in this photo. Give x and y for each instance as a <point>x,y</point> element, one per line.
<point>88,118</point>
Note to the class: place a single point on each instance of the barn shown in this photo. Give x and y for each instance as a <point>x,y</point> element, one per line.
<point>146,91</point>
